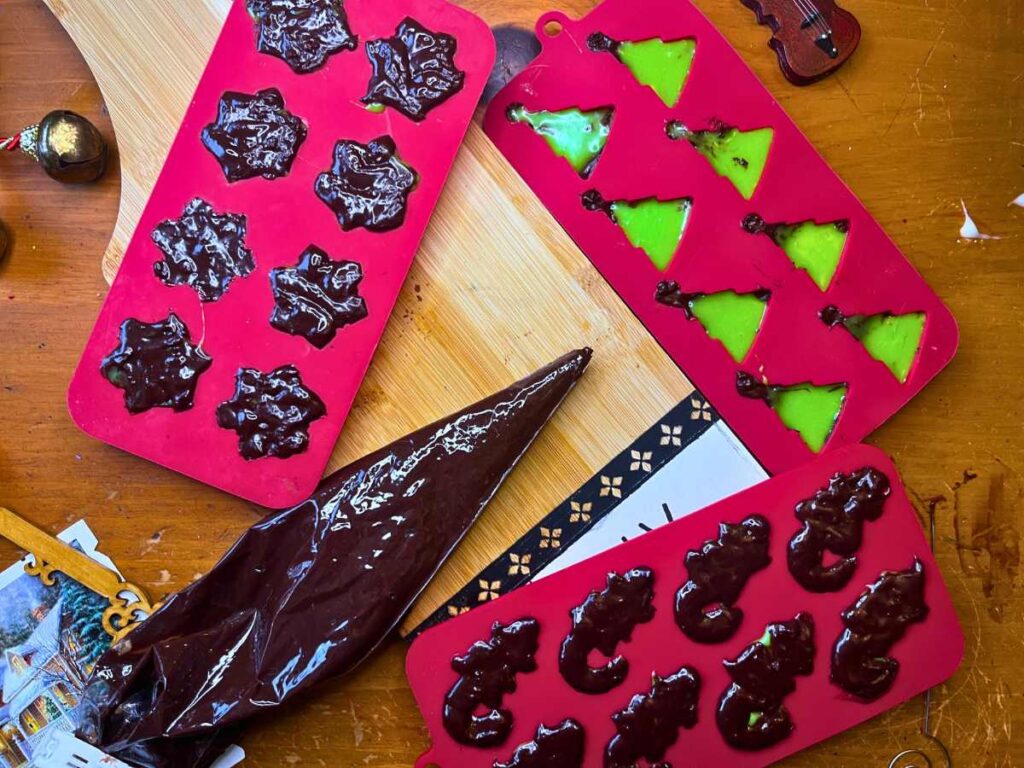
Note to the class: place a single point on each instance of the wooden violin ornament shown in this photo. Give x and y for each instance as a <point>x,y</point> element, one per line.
<point>813,38</point>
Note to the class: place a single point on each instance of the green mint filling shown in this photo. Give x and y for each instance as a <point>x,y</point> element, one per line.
<point>815,248</point>
<point>654,226</point>
<point>739,156</point>
<point>577,136</point>
<point>732,318</point>
<point>809,409</point>
<point>754,718</point>
<point>891,339</point>
<point>662,66</point>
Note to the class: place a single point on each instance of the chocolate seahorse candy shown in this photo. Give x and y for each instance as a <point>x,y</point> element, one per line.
<point>718,572</point>
<point>876,622</point>
<point>487,671</point>
<point>254,135</point>
<point>155,364</point>
<point>316,297</point>
<point>303,33</point>
<point>203,249</point>
<point>600,623</point>
<point>368,185</point>
<point>558,747</point>
<point>751,714</point>
<point>271,412</point>
<point>310,592</point>
<point>414,71</point>
<point>833,521</point>
<point>650,724</point>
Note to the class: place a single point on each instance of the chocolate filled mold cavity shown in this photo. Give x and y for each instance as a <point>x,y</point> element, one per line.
<point>558,747</point>
<point>473,714</point>
<point>414,71</point>
<point>156,364</point>
<point>751,714</point>
<point>833,524</point>
<point>254,135</point>
<point>600,623</point>
<point>317,297</point>
<point>271,412</point>
<point>368,185</point>
<point>705,608</point>
<point>203,249</point>
<point>303,33</point>
<point>649,725</point>
<point>861,664</point>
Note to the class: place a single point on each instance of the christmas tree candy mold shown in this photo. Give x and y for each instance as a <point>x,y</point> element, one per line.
<point>654,226</point>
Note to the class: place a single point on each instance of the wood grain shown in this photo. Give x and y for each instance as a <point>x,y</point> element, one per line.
<point>929,110</point>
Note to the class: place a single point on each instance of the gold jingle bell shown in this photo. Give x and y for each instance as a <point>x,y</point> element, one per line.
<point>68,146</point>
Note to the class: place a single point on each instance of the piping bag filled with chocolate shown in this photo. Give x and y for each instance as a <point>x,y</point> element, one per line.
<point>310,592</point>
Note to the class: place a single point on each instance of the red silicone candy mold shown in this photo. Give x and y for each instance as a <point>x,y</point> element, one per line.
<point>639,161</point>
<point>284,216</point>
<point>928,653</point>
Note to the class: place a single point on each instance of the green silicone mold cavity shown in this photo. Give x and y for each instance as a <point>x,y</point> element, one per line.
<point>739,156</point>
<point>891,339</point>
<point>809,409</point>
<point>732,318</point>
<point>576,135</point>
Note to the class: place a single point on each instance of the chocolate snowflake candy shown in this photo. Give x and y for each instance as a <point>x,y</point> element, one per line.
<point>271,412</point>
<point>203,249</point>
<point>155,364</point>
<point>368,185</point>
<point>303,33</point>
<point>316,297</point>
<point>254,135</point>
<point>414,71</point>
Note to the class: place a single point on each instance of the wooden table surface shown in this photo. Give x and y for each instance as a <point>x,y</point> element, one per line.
<point>929,111</point>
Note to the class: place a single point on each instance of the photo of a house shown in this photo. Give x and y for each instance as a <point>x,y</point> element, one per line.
<point>50,638</point>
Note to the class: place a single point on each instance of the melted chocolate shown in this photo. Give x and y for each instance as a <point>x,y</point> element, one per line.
<point>368,185</point>
<point>254,135</point>
<point>203,249</point>
<point>558,747</point>
<point>271,412</point>
<point>604,620</point>
<point>304,33</point>
<point>833,521</point>
<point>593,201</point>
<point>599,42</point>
<point>751,714</point>
<point>669,293</point>
<point>414,71</point>
<point>650,724</point>
<point>718,572</point>
<point>876,622</point>
<point>310,592</point>
<point>316,297</point>
<point>155,364</point>
<point>487,671</point>
<point>778,232</point>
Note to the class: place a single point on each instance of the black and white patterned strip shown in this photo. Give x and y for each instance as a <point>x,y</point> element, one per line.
<point>576,515</point>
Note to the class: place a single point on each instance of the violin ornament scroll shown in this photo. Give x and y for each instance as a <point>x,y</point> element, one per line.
<point>812,38</point>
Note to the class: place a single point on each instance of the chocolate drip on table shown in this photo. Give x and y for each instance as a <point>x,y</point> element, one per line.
<point>368,185</point>
<point>833,521</point>
<point>310,592</point>
<point>487,671</point>
<point>254,135</point>
<point>303,33</point>
<point>414,71</point>
<point>203,249</point>
<point>604,620</point>
<point>718,572</point>
<point>156,365</point>
<point>751,714</point>
<point>650,724</point>
<point>874,623</point>
<point>558,747</point>
<point>316,297</point>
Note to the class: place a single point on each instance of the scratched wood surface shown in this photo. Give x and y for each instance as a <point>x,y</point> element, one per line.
<point>929,111</point>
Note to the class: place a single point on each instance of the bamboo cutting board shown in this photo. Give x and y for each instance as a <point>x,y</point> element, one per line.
<point>497,288</point>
